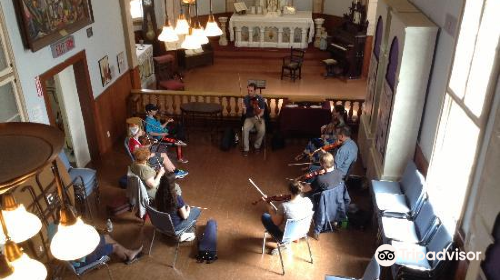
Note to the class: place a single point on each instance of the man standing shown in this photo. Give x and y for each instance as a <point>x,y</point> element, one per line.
<point>347,153</point>
<point>253,111</point>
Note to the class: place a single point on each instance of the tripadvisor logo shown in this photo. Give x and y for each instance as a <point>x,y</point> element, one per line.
<point>386,255</point>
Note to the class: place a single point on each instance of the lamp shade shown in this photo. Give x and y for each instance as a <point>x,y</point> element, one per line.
<point>190,43</point>
<point>168,35</point>
<point>74,241</point>
<point>182,26</point>
<point>27,268</point>
<point>21,224</point>
<point>212,29</point>
<point>199,35</point>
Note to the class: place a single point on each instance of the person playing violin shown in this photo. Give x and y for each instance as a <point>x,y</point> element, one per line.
<point>347,153</point>
<point>253,112</point>
<point>327,177</point>
<point>156,160</point>
<point>296,208</point>
<point>158,130</point>
<point>328,134</point>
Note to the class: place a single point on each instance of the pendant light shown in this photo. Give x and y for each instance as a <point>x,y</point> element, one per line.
<point>181,26</point>
<point>198,31</point>
<point>74,239</point>
<point>190,41</point>
<point>167,34</point>
<point>20,223</point>
<point>212,29</point>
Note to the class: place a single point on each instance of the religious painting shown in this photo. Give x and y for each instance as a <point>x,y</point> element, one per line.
<point>105,71</point>
<point>120,59</point>
<point>43,22</point>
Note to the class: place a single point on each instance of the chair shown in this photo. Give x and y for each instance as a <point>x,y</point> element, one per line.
<point>162,222</point>
<point>416,231</point>
<point>137,193</point>
<point>193,58</point>
<point>165,75</point>
<point>84,181</point>
<point>411,176</point>
<point>292,64</point>
<point>414,268</point>
<point>295,229</point>
<point>79,271</point>
<point>372,272</point>
<point>330,206</point>
<point>125,143</point>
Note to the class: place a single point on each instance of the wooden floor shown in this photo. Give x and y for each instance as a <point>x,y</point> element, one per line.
<point>225,74</point>
<point>219,181</point>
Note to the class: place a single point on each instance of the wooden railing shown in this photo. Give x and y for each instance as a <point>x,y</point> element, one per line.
<point>170,101</point>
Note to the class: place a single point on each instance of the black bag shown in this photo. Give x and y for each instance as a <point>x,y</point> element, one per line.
<point>278,141</point>
<point>227,140</point>
<point>123,182</point>
<point>359,219</point>
<point>117,206</point>
<point>207,244</point>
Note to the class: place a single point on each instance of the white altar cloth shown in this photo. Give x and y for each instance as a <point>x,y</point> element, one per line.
<point>302,20</point>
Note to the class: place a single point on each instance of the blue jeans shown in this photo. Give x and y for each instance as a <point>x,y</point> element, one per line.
<point>273,229</point>
<point>193,216</point>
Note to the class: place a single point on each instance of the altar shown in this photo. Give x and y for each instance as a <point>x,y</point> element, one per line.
<point>272,30</point>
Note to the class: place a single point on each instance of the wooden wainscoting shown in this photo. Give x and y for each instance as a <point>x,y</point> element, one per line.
<point>111,111</point>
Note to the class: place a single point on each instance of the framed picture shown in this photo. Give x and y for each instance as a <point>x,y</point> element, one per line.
<point>42,22</point>
<point>105,71</point>
<point>120,59</point>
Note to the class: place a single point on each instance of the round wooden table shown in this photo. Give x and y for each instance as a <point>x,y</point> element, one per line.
<point>208,114</point>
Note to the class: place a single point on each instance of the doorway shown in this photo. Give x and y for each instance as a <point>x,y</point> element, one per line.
<point>70,107</point>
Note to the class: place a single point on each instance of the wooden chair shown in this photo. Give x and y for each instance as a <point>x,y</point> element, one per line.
<point>165,73</point>
<point>292,64</point>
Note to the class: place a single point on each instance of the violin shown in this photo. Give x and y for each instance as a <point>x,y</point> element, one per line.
<point>145,140</point>
<point>274,198</point>
<point>254,102</point>
<point>332,146</point>
<point>311,175</point>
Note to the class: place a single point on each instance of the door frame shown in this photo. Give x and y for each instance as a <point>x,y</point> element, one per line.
<point>85,96</point>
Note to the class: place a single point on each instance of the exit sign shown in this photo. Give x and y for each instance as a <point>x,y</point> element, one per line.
<point>63,46</point>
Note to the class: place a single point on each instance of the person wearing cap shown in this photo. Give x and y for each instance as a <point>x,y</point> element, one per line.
<point>160,131</point>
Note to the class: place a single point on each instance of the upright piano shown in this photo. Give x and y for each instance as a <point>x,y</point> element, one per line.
<point>348,43</point>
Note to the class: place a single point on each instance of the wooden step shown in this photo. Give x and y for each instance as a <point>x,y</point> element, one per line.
<point>231,51</point>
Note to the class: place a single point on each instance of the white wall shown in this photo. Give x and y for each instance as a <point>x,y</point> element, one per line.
<point>437,11</point>
<point>108,39</point>
<point>336,7</point>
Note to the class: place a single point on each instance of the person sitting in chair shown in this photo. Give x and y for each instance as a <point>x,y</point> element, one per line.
<point>347,153</point>
<point>296,208</point>
<point>156,160</point>
<point>106,247</point>
<point>328,178</point>
<point>328,134</point>
<point>169,201</point>
<point>253,112</point>
<point>145,172</point>
<point>160,131</point>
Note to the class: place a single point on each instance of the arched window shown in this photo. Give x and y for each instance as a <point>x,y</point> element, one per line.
<point>378,37</point>
<point>392,66</point>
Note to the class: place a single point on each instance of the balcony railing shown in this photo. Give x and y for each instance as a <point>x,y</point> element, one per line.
<point>170,101</point>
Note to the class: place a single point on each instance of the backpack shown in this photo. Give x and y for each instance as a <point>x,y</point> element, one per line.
<point>207,244</point>
<point>278,141</point>
<point>227,140</point>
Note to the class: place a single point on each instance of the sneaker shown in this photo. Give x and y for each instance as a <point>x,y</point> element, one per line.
<point>182,160</point>
<point>179,174</point>
<point>283,248</point>
<point>316,236</point>
<point>244,153</point>
<point>257,151</point>
<point>187,236</point>
<point>180,143</point>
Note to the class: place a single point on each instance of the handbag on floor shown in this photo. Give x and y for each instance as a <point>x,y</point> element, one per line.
<point>207,244</point>
<point>227,140</point>
<point>118,206</point>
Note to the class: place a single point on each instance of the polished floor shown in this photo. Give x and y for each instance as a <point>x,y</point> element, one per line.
<point>219,181</point>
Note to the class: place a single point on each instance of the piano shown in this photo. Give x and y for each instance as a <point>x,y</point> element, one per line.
<point>347,45</point>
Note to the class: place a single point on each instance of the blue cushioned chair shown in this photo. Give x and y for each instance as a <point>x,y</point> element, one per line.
<point>163,223</point>
<point>294,230</point>
<point>416,231</point>
<point>79,271</point>
<point>422,269</point>
<point>127,149</point>
<point>372,272</point>
<point>84,181</point>
<point>402,199</point>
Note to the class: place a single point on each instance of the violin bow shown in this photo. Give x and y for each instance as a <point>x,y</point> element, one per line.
<point>299,163</point>
<point>263,194</point>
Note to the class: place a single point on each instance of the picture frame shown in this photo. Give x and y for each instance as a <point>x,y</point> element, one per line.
<point>50,20</point>
<point>120,59</point>
<point>106,76</point>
